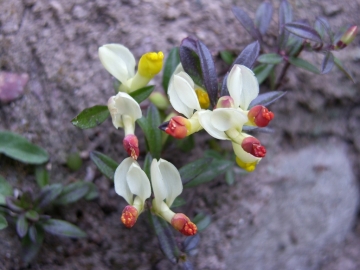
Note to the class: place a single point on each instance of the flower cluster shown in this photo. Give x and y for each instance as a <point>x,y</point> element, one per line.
<point>226,120</point>
<point>130,180</point>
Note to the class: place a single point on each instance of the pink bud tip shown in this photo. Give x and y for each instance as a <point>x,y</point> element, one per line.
<point>225,102</point>
<point>183,224</point>
<point>253,146</point>
<point>131,145</point>
<point>260,116</point>
<point>129,216</point>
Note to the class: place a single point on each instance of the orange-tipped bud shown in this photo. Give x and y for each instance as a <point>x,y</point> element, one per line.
<point>182,223</point>
<point>131,145</point>
<point>260,116</point>
<point>225,102</point>
<point>177,127</point>
<point>129,216</point>
<point>253,146</point>
<point>347,38</point>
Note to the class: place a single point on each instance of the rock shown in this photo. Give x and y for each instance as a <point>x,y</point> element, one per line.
<point>79,12</point>
<point>331,9</point>
<point>12,85</point>
<point>312,206</point>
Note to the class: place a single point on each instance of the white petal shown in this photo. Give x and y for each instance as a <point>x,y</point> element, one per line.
<point>138,182</point>
<point>205,121</point>
<point>235,84</point>
<point>242,155</point>
<point>172,180</point>
<point>126,105</point>
<point>178,69</point>
<point>120,180</point>
<point>225,118</point>
<point>157,182</point>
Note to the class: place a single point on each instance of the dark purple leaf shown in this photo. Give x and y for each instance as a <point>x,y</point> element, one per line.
<point>208,72</point>
<point>252,130</point>
<point>72,193</point>
<point>22,226</point>
<point>48,194</point>
<point>30,248</point>
<point>191,242</point>
<point>263,16</point>
<point>62,228</point>
<point>190,60</point>
<point>267,98</point>
<point>303,31</point>
<point>224,90</point>
<point>12,85</point>
<point>328,63</point>
<point>322,27</point>
<point>285,14</point>
<point>248,55</point>
<point>246,22</point>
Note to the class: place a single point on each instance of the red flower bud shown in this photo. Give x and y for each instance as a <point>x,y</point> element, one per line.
<point>253,146</point>
<point>183,224</point>
<point>176,127</point>
<point>129,216</point>
<point>347,38</point>
<point>260,116</point>
<point>131,145</point>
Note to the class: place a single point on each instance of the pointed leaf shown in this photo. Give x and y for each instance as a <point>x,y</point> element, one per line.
<point>342,68</point>
<point>224,90</point>
<point>246,22</point>
<point>30,248</point>
<point>92,193</point>
<point>263,16</point>
<point>301,63</point>
<point>32,215</point>
<point>143,93</point>
<point>186,144</point>
<point>227,56</point>
<point>252,130</point>
<point>105,164</point>
<point>202,221</point>
<point>328,63</point>
<point>42,176</point>
<point>267,98</point>
<point>303,31</point>
<point>91,117</point>
<point>17,147</point>
<point>294,44</point>
<point>193,169</point>
<point>190,60</point>
<point>166,238</point>
<point>48,195</point>
<point>248,55</point>
<point>262,72</point>
<point>285,14</point>
<point>5,190</point>
<point>322,27</point>
<point>172,61</point>
<point>147,164</point>
<point>191,242</point>
<point>72,193</point>
<point>270,58</point>
<point>3,222</point>
<point>216,168</point>
<point>230,177</point>
<point>22,226</point>
<point>179,201</point>
<point>62,228</point>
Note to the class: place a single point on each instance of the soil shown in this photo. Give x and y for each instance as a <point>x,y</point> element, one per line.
<point>56,42</point>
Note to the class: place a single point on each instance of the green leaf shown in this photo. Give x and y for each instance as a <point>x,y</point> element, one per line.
<point>213,154</point>
<point>230,177</point>
<point>179,201</point>
<point>92,193</point>
<point>143,93</point>
<point>147,164</point>
<point>74,161</point>
<point>31,248</point>
<point>193,169</point>
<point>262,71</point>
<point>22,226</point>
<point>301,63</point>
<point>216,168</point>
<point>186,144</point>
<point>42,176</point>
<point>72,193</point>
<point>5,190</point>
<point>270,58</point>
<point>342,68</point>
<point>172,61</point>
<point>328,63</point>
<point>166,238</point>
<point>91,117</point>
<point>17,147</point>
<point>3,222</point>
<point>202,221</point>
<point>149,126</point>
<point>32,215</point>
<point>105,164</point>
<point>227,56</point>
<point>62,228</point>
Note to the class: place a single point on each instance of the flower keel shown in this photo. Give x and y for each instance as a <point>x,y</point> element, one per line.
<point>260,116</point>
<point>129,216</point>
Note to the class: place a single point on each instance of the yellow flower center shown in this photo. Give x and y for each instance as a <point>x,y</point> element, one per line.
<point>249,167</point>
<point>203,98</point>
<point>150,64</point>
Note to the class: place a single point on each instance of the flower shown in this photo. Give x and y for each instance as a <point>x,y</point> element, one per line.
<point>133,185</point>
<point>185,97</point>
<point>167,185</point>
<point>124,111</point>
<point>226,121</point>
<point>120,62</point>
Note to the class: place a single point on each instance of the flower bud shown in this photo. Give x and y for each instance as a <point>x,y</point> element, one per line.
<point>131,145</point>
<point>347,38</point>
<point>225,102</point>
<point>253,146</point>
<point>203,98</point>
<point>129,216</point>
<point>260,116</point>
<point>182,223</point>
<point>150,64</point>
<point>177,127</point>
<point>159,100</point>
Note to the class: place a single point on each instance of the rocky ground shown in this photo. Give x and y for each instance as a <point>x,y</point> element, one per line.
<point>298,210</point>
